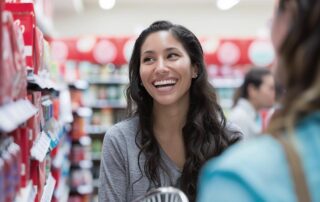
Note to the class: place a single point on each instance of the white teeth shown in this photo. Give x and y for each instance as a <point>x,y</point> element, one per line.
<point>164,82</point>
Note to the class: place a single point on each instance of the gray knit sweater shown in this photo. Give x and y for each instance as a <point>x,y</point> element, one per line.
<point>120,177</point>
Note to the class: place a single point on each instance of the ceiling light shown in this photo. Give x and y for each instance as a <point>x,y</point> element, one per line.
<point>226,4</point>
<point>107,4</point>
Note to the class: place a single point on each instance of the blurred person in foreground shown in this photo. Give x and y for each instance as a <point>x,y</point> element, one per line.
<point>176,124</point>
<point>285,165</point>
<point>257,92</point>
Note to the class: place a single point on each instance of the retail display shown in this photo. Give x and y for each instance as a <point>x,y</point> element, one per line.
<point>33,144</point>
<point>98,102</point>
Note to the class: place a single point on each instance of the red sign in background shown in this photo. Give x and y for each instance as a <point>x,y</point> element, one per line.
<point>219,52</point>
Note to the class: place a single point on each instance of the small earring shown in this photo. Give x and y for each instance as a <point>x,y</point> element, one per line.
<point>195,76</point>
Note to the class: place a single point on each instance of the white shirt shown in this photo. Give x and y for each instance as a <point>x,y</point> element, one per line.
<point>246,118</point>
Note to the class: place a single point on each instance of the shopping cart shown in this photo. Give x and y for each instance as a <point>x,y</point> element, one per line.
<point>163,194</point>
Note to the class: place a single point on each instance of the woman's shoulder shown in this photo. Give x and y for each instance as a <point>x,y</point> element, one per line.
<point>124,129</point>
<point>258,164</point>
<point>256,151</point>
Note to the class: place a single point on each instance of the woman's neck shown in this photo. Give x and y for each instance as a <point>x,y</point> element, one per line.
<point>169,120</point>
<point>168,124</point>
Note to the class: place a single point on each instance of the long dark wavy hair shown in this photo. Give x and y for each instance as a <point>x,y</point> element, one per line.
<point>253,77</point>
<point>299,61</point>
<point>205,134</point>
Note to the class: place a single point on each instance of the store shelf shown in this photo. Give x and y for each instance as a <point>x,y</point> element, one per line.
<point>111,80</point>
<point>62,191</point>
<point>85,141</point>
<point>41,147</point>
<point>96,130</point>
<point>96,156</point>
<point>83,189</point>
<point>38,83</point>
<point>26,194</point>
<point>99,104</point>
<point>79,84</point>
<point>15,113</point>
<point>84,164</point>
<point>96,183</point>
<point>226,82</point>
<point>84,111</point>
<point>48,189</point>
<point>59,159</point>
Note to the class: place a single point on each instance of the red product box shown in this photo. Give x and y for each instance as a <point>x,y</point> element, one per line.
<point>20,79</point>
<point>25,146</point>
<point>38,176</point>
<point>24,15</point>
<point>14,80</point>
<point>56,108</point>
<point>9,176</point>
<point>34,122</point>
<point>7,67</point>
<point>56,174</point>
<point>39,50</point>
<point>2,180</point>
<point>16,152</point>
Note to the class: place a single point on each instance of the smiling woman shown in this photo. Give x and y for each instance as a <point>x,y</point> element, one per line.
<point>166,71</point>
<point>175,124</point>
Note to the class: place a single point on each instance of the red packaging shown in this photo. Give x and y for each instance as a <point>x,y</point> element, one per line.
<point>20,77</point>
<point>25,15</point>
<point>56,108</point>
<point>9,176</point>
<point>39,52</point>
<point>56,172</point>
<point>15,153</point>
<point>2,180</point>
<point>34,122</point>
<point>25,134</point>
<point>7,66</point>
<point>38,176</point>
<point>78,126</point>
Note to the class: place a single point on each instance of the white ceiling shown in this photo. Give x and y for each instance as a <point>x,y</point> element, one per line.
<point>69,5</point>
<point>130,16</point>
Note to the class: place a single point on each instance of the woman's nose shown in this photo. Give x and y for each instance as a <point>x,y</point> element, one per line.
<point>161,67</point>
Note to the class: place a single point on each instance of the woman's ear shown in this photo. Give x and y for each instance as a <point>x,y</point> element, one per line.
<point>195,71</point>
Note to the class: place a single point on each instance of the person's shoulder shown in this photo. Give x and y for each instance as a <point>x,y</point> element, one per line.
<point>257,160</point>
<point>123,129</point>
<point>258,164</point>
<point>238,114</point>
<point>254,152</point>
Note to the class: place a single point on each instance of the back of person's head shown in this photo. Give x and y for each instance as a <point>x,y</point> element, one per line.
<point>298,60</point>
<point>253,81</point>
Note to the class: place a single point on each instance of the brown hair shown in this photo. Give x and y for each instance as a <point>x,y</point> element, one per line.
<point>300,62</point>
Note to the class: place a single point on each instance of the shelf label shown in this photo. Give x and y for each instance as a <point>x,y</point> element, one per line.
<point>41,146</point>
<point>48,189</point>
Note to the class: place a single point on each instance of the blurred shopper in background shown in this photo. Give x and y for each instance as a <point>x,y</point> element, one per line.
<point>176,123</point>
<point>285,165</point>
<point>257,92</point>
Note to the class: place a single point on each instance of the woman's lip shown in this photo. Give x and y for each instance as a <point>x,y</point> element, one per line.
<point>165,89</point>
<point>162,81</point>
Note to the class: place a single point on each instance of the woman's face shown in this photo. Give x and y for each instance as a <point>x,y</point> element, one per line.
<point>166,71</point>
<point>264,96</point>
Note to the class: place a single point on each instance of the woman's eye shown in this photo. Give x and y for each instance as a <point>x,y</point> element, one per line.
<point>173,56</point>
<point>147,59</point>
